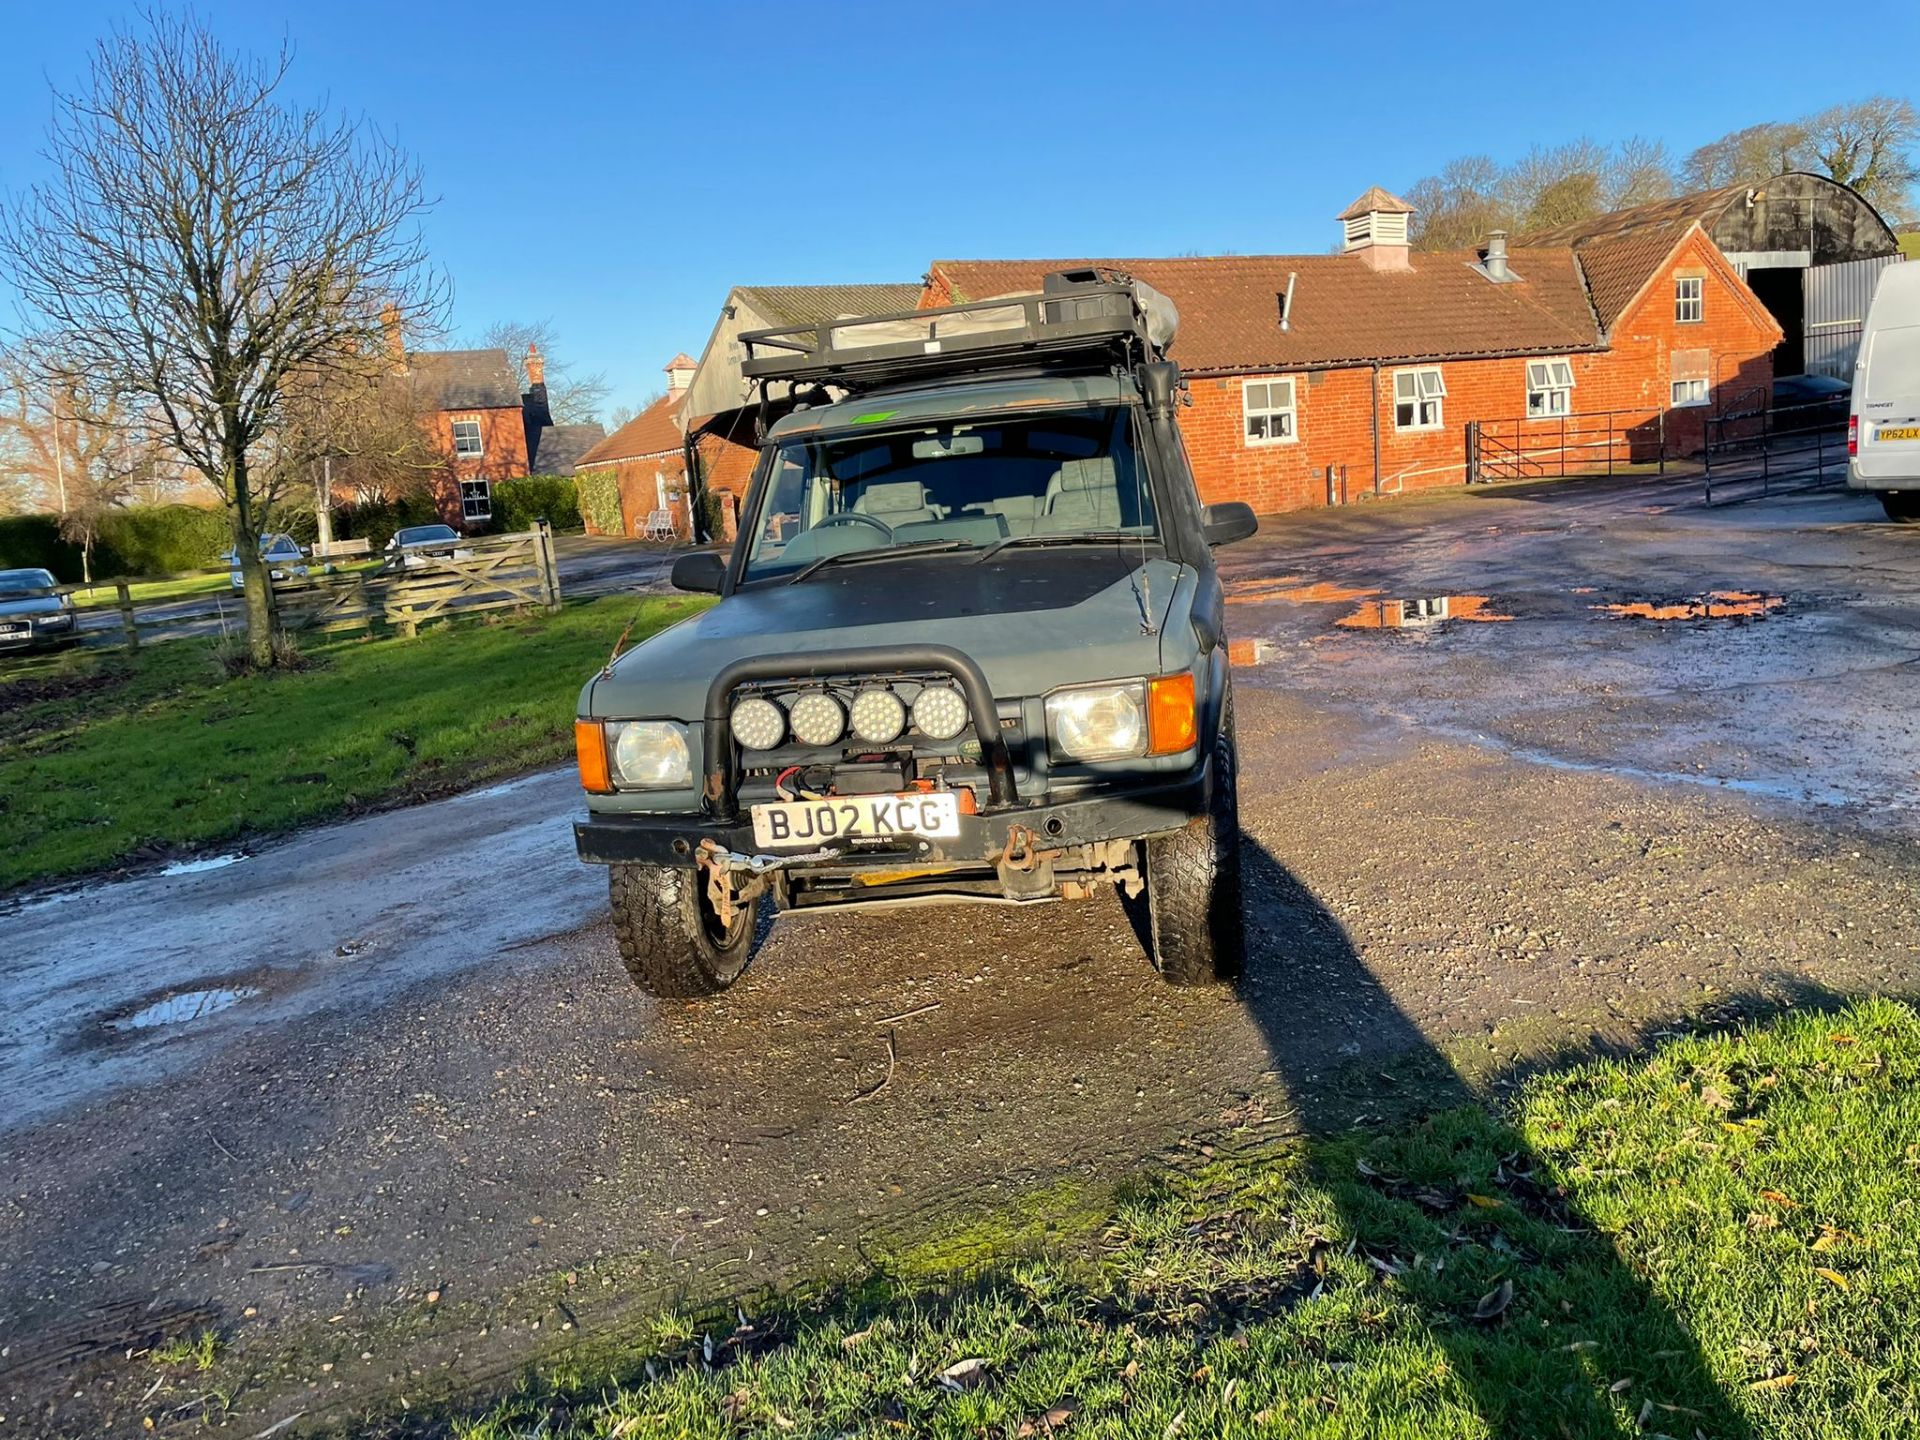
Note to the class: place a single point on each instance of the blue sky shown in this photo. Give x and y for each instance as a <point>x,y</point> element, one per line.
<point>617,166</point>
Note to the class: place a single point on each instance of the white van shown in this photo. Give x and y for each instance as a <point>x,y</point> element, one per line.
<point>1883,428</point>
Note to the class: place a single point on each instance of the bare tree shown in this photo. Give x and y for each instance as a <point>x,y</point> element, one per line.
<point>1637,172</point>
<point>201,241</point>
<point>571,399</point>
<point>1555,185</point>
<point>68,445</point>
<point>358,432</point>
<point>1457,207</point>
<point>1869,145</point>
<point>1746,157</point>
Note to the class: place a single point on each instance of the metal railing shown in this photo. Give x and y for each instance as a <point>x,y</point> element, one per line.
<point>1764,451</point>
<point>1541,447</point>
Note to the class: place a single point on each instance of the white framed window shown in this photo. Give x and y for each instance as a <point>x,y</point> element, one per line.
<point>1267,412</point>
<point>1549,388</point>
<point>1689,299</point>
<point>476,501</point>
<point>1689,392</point>
<point>1416,398</point>
<point>466,440</point>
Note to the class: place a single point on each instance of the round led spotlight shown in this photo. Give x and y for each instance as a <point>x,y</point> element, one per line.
<point>878,716</point>
<point>758,723</point>
<point>939,712</point>
<point>817,719</point>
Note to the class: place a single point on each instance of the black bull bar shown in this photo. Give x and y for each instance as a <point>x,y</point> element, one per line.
<point>722,771</point>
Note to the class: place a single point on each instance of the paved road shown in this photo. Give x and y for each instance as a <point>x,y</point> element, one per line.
<point>398,1056</point>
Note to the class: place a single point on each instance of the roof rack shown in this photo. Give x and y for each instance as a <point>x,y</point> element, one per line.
<point>1085,319</point>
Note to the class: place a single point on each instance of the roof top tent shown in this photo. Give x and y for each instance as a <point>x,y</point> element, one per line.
<point>1809,247</point>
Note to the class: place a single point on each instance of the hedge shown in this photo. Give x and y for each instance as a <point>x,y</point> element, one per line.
<point>599,494</point>
<point>139,540</point>
<point>518,503</point>
<point>376,521</point>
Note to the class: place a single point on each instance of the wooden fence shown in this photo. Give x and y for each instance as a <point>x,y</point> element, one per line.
<point>487,572</point>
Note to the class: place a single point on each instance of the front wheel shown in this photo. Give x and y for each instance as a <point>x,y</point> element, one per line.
<point>1194,922</point>
<point>1902,506</point>
<point>671,941</point>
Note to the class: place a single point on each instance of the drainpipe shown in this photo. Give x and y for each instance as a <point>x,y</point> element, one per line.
<point>1376,427</point>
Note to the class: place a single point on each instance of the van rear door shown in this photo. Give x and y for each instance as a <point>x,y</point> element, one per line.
<point>1886,404</point>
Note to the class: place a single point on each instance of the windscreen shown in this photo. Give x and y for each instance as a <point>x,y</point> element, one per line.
<point>969,483</point>
<point>1893,365</point>
<point>16,583</point>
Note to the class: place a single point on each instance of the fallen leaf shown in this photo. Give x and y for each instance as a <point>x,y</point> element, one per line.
<point>1494,1303</point>
<point>1174,1426</point>
<point>1833,1277</point>
<point>1621,1386</point>
<point>1841,1039</point>
<point>1485,1202</point>
<point>1775,1382</point>
<point>1714,1099</point>
<point>847,1342</point>
<point>1775,1197</point>
<point>968,1374</point>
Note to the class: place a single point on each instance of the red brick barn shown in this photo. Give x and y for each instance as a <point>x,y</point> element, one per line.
<point>647,457</point>
<point>1373,362</point>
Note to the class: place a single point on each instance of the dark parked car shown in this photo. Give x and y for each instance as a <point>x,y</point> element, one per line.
<point>1800,401</point>
<point>33,612</point>
<point>970,646</point>
<point>417,545</point>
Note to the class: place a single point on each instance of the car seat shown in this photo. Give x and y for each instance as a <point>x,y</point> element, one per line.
<point>1083,495</point>
<point>895,503</point>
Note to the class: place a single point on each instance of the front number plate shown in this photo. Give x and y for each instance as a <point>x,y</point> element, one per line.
<point>1897,432</point>
<point>807,824</point>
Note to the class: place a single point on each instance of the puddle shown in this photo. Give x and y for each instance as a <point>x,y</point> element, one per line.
<point>1714,605</point>
<point>1288,587</point>
<point>188,1005</point>
<point>194,867</point>
<point>1419,614</point>
<point>1249,652</point>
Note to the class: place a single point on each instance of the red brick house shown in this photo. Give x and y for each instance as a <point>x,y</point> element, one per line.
<point>1374,361</point>
<point>648,459</point>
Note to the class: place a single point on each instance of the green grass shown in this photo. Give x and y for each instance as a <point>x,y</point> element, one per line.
<point>182,587</point>
<point>188,1352</point>
<point>1719,1240</point>
<point>107,757</point>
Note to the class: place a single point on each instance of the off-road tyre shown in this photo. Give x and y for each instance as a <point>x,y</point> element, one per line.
<point>1195,927</point>
<point>671,941</point>
<point>1902,506</point>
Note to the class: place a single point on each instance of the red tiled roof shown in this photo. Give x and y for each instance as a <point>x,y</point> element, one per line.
<point>682,361</point>
<point>1619,266</point>
<point>651,432</point>
<point>1344,312</point>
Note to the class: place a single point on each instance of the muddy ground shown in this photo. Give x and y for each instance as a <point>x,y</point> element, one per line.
<point>399,1122</point>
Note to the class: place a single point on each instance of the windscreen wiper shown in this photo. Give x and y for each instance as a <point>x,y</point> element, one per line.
<point>880,552</point>
<point>1076,537</point>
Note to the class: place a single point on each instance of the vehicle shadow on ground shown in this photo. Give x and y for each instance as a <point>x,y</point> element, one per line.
<point>1608,1325</point>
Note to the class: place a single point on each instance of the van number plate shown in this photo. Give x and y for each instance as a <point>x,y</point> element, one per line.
<point>1897,432</point>
<point>807,824</point>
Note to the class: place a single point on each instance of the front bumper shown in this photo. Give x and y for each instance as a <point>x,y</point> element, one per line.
<point>1132,813</point>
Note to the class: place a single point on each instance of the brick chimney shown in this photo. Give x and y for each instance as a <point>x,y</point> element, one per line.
<point>1374,229</point>
<point>536,365</point>
<point>396,341</point>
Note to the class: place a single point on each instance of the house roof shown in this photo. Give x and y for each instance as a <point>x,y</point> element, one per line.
<point>1376,199</point>
<point>1344,312</point>
<point>556,449</point>
<point>1619,265</point>
<point>813,304</point>
<point>682,361</point>
<point>464,380</point>
<point>1702,207</point>
<point>651,432</point>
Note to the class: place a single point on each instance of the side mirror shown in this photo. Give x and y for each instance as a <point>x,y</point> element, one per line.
<point>701,572</point>
<point>1228,521</point>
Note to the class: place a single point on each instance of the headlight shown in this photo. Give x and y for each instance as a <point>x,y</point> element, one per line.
<point>817,719</point>
<point>878,716</point>
<point>1098,722</point>
<point>758,723</point>
<point>651,754</point>
<point>939,712</point>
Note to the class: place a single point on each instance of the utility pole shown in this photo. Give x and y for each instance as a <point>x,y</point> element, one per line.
<point>323,503</point>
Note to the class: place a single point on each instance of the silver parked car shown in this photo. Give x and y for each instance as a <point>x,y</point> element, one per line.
<point>416,545</point>
<point>33,612</point>
<point>283,556</point>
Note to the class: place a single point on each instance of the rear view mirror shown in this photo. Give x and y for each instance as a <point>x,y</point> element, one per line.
<point>700,572</point>
<point>1229,521</point>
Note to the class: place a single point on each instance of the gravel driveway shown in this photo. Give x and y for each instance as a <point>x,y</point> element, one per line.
<point>379,1102</point>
